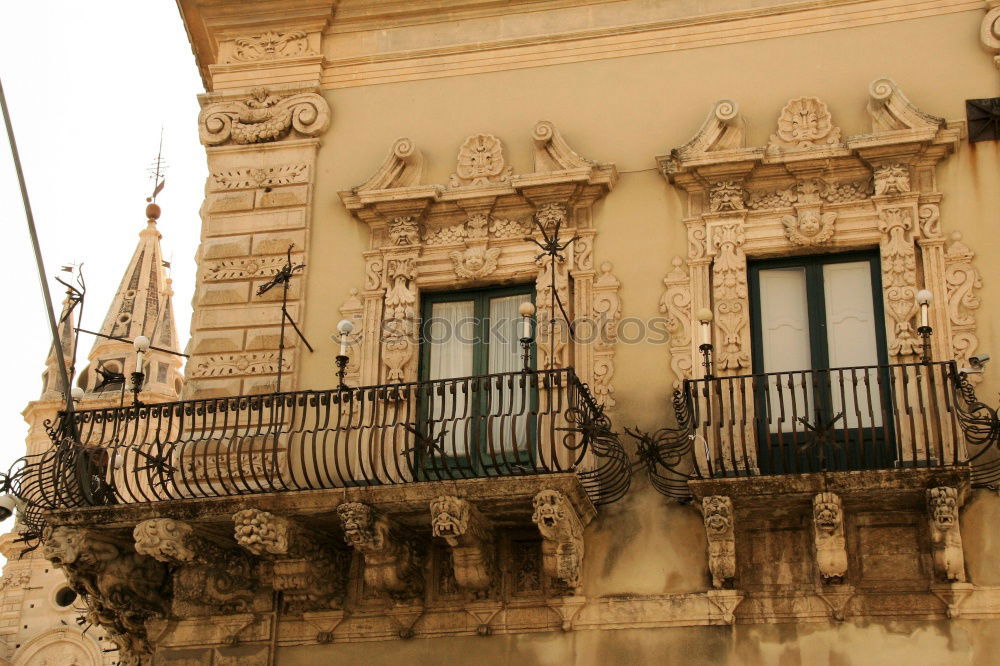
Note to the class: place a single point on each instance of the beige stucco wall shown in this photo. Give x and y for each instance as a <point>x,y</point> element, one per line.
<point>626,111</point>
<point>860,644</point>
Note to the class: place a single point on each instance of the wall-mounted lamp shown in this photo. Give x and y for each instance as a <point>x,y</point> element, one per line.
<point>527,311</point>
<point>705,318</point>
<point>924,300</point>
<point>76,393</point>
<point>141,345</point>
<point>344,329</point>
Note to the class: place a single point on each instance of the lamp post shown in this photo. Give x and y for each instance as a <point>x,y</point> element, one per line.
<point>705,318</point>
<point>527,311</point>
<point>344,329</point>
<point>141,346</point>
<point>924,300</point>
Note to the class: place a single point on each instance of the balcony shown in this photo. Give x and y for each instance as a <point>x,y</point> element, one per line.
<point>519,424</point>
<point>887,417</point>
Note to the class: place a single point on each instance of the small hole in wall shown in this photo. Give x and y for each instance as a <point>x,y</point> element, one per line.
<point>267,189</point>
<point>65,596</point>
<point>31,606</point>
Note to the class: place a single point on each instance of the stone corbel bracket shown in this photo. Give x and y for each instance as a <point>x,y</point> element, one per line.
<point>261,115</point>
<point>307,569</point>
<point>562,538</point>
<point>393,562</point>
<point>212,578</point>
<point>828,537</point>
<point>943,503</point>
<point>470,536</point>
<point>717,512</point>
<point>122,588</point>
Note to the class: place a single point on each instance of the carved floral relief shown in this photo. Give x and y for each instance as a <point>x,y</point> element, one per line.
<point>270,45</point>
<point>805,122</point>
<point>480,162</point>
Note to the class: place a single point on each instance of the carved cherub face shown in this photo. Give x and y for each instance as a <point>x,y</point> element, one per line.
<point>809,223</point>
<point>549,510</point>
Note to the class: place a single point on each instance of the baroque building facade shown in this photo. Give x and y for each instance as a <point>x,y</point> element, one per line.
<point>749,248</point>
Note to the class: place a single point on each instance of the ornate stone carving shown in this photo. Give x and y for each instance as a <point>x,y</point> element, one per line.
<point>270,46</point>
<point>552,153</point>
<point>809,227</point>
<point>726,196</point>
<point>946,539</point>
<point>404,230</point>
<point>828,537</point>
<point>899,277</point>
<point>210,580</point>
<point>809,191</point>
<point>805,122</point>
<point>263,117</point>
<point>251,177</point>
<point>729,275</point>
<point>121,588</point>
<point>240,363</point>
<point>930,221</point>
<point>244,269</point>
<point>676,305</point>
<point>722,130</point>
<point>891,179</point>
<point>309,571</point>
<point>562,534</point>
<point>607,315</point>
<point>470,538</point>
<point>989,32</point>
<point>962,279</point>
<point>399,318</point>
<point>477,260</point>
<point>717,512</point>
<point>480,162</point>
<point>551,333</point>
<point>392,561</point>
<point>891,110</point>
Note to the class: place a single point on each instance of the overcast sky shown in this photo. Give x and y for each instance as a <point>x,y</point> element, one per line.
<point>89,85</point>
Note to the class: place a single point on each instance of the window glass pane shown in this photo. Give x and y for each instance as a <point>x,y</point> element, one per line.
<point>784,314</point>
<point>850,323</point>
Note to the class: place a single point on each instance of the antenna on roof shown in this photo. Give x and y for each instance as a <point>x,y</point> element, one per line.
<point>157,170</point>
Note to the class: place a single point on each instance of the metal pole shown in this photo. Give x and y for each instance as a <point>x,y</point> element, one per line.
<point>38,257</point>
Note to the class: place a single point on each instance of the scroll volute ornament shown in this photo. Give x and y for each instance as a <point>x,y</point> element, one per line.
<point>263,117</point>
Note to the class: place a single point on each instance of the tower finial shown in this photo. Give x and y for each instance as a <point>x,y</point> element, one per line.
<point>157,171</point>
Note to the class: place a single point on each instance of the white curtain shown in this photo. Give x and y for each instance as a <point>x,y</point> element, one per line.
<point>451,334</point>
<point>507,411</point>
<point>784,317</point>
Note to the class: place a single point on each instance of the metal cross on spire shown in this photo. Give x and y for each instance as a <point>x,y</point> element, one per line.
<point>157,170</point>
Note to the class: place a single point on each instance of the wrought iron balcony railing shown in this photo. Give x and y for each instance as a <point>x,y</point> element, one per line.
<point>500,425</point>
<point>872,417</point>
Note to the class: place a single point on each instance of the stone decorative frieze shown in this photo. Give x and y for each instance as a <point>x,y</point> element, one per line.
<point>309,572</point>
<point>270,45</point>
<point>246,178</point>
<point>562,534</point>
<point>963,280</point>
<point>263,117</point>
<point>828,537</point>
<point>717,512</point>
<point>809,227</point>
<point>729,275</point>
<point>809,190</point>
<point>470,538</point>
<point>480,162</point>
<point>244,268</point>
<point>121,588</point>
<point>393,561</point>
<point>899,278</point>
<point>210,579</point>
<point>891,179</point>
<point>946,538</point>
<point>243,363</point>
<point>804,123</point>
<point>675,303</point>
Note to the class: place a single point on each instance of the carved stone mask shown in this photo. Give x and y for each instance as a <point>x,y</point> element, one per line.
<point>549,510</point>
<point>827,516</point>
